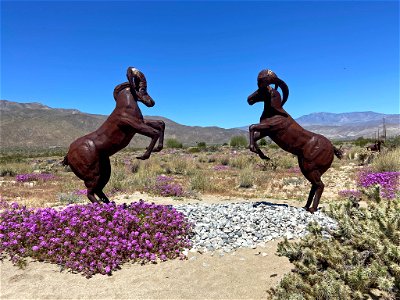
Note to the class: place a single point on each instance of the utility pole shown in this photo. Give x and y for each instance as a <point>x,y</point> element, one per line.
<point>384,129</point>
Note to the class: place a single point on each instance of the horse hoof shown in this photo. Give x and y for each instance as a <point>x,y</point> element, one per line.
<point>310,210</point>
<point>144,157</point>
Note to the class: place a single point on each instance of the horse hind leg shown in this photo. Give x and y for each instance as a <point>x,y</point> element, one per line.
<point>104,177</point>
<point>316,190</point>
<point>310,197</point>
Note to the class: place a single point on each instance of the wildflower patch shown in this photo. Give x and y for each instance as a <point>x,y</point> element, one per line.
<point>94,238</point>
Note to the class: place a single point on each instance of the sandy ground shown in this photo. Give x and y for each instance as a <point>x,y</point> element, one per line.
<point>243,274</point>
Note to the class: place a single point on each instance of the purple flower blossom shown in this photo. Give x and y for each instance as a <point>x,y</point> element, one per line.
<point>81,192</point>
<point>34,177</point>
<point>165,187</point>
<point>94,238</point>
<point>388,182</point>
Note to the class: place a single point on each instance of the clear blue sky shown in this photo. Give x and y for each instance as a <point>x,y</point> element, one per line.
<point>201,59</point>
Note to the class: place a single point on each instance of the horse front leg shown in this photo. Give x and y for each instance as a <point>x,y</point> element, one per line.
<point>257,132</point>
<point>146,130</point>
<point>160,126</point>
<point>152,133</point>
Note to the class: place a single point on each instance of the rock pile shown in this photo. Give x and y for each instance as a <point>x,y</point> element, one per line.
<point>230,226</point>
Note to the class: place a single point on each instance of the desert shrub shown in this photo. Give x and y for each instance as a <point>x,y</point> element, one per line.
<point>393,142</point>
<point>360,259</point>
<point>200,182</point>
<point>69,198</point>
<point>263,142</point>
<point>387,161</point>
<point>246,178</point>
<point>4,171</point>
<point>201,145</point>
<point>213,148</point>
<point>286,161</point>
<point>362,142</point>
<point>13,169</point>
<point>144,177</point>
<point>211,159</point>
<point>134,166</point>
<point>17,155</point>
<point>194,150</point>
<point>273,146</point>
<point>238,141</point>
<point>118,180</point>
<point>224,160</point>
<point>240,162</point>
<point>173,143</point>
<point>94,238</point>
<point>181,165</point>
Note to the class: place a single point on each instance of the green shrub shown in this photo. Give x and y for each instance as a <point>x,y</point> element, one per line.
<point>286,161</point>
<point>194,150</point>
<point>201,145</point>
<point>393,142</point>
<point>238,141</point>
<point>240,162</point>
<point>273,146</point>
<point>173,143</point>
<point>224,160</point>
<point>362,142</point>
<point>263,142</point>
<point>246,178</point>
<point>360,260</point>
<point>200,182</point>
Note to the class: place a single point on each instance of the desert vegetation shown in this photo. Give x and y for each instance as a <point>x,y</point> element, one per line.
<point>39,179</point>
<point>358,260</point>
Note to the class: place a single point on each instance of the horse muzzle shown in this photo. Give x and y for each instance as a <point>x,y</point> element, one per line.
<point>253,98</point>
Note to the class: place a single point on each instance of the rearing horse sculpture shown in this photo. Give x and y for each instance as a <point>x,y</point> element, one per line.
<point>88,156</point>
<point>314,151</point>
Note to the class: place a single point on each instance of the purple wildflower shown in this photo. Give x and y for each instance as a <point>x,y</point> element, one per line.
<point>94,238</point>
<point>388,182</point>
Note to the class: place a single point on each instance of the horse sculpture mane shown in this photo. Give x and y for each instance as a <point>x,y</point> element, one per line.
<point>314,152</point>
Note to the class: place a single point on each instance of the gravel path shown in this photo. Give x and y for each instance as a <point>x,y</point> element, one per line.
<point>227,227</point>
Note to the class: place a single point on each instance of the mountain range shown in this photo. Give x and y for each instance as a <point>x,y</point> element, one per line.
<point>37,125</point>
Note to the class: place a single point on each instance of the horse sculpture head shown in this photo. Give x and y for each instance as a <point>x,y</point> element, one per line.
<point>138,84</point>
<point>264,79</point>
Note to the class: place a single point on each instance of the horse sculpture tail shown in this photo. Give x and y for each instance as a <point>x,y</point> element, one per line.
<point>65,161</point>
<point>338,152</point>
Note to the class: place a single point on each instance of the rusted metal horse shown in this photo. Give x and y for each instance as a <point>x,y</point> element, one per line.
<point>88,156</point>
<point>376,147</point>
<point>315,152</point>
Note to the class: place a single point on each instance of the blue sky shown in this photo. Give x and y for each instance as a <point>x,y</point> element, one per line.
<point>201,59</point>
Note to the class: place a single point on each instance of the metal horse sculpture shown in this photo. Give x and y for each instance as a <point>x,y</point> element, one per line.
<point>315,152</point>
<point>376,147</point>
<point>88,156</point>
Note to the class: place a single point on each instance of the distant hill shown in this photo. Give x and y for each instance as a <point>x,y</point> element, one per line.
<point>37,125</point>
<point>351,118</point>
<point>345,126</point>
